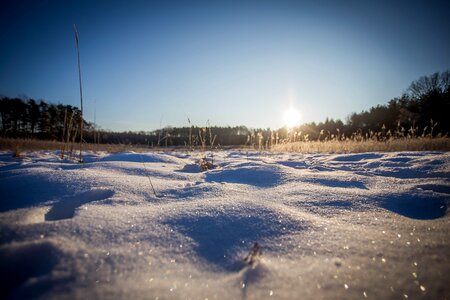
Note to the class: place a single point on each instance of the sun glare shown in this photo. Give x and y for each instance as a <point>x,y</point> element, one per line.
<point>291,117</point>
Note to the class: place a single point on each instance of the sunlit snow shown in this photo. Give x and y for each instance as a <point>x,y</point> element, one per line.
<point>329,226</point>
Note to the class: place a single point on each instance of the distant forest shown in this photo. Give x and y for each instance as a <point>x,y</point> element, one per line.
<point>423,110</point>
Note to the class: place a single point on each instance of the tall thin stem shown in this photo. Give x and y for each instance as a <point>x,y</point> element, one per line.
<point>81,94</point>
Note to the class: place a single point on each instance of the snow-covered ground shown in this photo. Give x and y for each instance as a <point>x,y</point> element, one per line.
<point>330,226</point>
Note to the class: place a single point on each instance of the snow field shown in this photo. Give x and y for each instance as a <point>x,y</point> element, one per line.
<point>331,226</point>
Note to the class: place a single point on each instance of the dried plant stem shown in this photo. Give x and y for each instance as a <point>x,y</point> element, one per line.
<point>81,94</point>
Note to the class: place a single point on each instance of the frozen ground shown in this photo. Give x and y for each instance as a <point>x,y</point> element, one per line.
<point>347,226</point>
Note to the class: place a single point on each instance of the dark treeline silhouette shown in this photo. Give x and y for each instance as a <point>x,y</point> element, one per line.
<point>35,119</point>
<point>421,111</point>
<point>425,105</point>
<point>28,118</point>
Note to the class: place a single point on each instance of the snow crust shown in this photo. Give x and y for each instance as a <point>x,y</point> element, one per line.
<point>330,226</point>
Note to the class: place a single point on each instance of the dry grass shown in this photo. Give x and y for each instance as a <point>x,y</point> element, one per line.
<point>21,145</point>
<point>350,146</point>
<point>18,146</point>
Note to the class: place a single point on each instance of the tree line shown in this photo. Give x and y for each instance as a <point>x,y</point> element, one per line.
<point>28,118</point>
<point>421,111</point>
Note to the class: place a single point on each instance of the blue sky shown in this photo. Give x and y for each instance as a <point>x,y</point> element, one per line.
<point>148,63</point>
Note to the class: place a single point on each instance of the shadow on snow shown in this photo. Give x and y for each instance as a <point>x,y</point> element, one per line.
<point>22,262</point>
<point>437,188</point>
<point>136,157</point>
<point>335,183</point>
<point>416,206</point>
<point>223,237</point>
<point>30,190</point>
<point>358,157</point>
<point>65,208</point>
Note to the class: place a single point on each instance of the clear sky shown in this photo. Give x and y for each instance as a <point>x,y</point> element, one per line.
<point>146,63</point>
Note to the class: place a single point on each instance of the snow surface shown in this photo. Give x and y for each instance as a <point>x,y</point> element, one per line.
<point>330,226</point>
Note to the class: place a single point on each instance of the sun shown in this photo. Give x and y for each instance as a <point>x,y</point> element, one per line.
<point>291,117</point>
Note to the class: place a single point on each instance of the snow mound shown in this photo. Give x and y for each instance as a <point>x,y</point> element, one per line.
<point>257,175</point>
<point>191,168</point>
